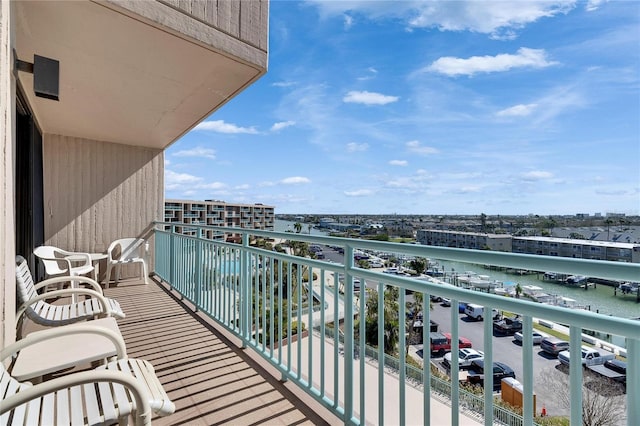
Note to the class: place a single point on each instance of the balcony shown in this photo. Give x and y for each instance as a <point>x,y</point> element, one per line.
<point>233,290</point>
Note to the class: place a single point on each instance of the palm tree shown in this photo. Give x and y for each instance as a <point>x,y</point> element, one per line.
<point>414,308</point>
<point>298,227</point>
<point>518,290</point>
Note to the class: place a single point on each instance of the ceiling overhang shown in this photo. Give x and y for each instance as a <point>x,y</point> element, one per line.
<point>123,79</point>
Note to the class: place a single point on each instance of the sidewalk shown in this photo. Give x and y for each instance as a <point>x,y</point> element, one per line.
<point>440,412</point>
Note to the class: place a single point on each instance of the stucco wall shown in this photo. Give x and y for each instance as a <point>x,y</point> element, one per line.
<point>7,248</point>
<point>96,192</point>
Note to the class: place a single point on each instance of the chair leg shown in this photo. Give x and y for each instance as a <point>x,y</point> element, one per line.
<point>145,272</point>
<point>108,275</point>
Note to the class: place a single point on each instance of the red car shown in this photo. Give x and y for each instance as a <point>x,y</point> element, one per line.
<point>462,341</point>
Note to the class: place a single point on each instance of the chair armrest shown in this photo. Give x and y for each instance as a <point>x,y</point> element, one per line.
<point>52,333</point>
<point>143,411</point>
<point>78,257</point>
<point>79,279</point>
<point>64,292</point>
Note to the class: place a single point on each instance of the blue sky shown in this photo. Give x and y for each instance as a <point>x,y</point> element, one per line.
<point>430,107</point>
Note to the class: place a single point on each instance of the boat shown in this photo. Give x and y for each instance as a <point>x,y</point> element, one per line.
<point>628,287</point>
<point>576,280</point>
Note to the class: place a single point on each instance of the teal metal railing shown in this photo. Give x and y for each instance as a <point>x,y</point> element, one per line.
<point>267,297</point>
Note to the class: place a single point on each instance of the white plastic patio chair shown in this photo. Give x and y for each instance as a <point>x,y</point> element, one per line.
<point>38,310</point>
<point>114,392</point>
<point>125,251</point>
<point>59,262</point>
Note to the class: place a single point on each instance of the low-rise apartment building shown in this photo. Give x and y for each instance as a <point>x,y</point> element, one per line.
<point>218,213</point>
<point>470,240</point>
<point>546,246</point>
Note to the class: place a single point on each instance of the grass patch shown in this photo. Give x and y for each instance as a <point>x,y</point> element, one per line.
<point>551,332</point>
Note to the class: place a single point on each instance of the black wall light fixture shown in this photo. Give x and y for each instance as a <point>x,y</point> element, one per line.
<point>46,75</point>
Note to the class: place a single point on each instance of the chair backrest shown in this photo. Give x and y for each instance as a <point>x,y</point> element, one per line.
<point>126,249</point>
<point>52,267</point>
<point>25,287</point>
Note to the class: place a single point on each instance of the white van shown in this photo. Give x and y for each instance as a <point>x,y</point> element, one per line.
<point>477,312</point>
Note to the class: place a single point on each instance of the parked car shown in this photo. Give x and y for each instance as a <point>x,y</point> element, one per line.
<point>553,345</point>
<point>445,302</point>
<point>465,356</point>
<point>537,337</point>
<point>439,343</point>
<point>477,312</point>
<point>500,371</point>
<point>463,342</point>
<point>613,369</point>
<point>588,355</point>
<point>507,326</point>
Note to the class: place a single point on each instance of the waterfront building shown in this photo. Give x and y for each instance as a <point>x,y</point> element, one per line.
<point>546,246</point>
<point>468,240</point>
<point>217,213</point>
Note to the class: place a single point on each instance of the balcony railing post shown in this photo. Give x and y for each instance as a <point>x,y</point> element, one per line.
<point>198,274</point>
<point>633,382</point>
<point>172,257</point>
<point>527,360</point>
<point>245,291</point>
<point>488,364</point>
<point>575,373</point>
<point>348,335</point>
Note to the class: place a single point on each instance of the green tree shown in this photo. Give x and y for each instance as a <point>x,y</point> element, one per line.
<point>518,290</point>
<point>298,227</point>
<point>419,264</point>
<point>391,320</point>
<point>414,308</point>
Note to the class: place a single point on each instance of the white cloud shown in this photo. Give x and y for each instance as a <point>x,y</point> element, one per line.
<point>417,148</point>
<point>242,187</point>
<point>499,19</point>
<point>401,163</point>
<point>166,162</point>
<point>594,5</point>
<point>294,180</point>
<point>348,22</point>
<point>282,125</point>
<point>359,193</point>
<point>470,189</point>
<point>357,147</point>
<point>451,66</point>
<point>284,84</point>
<point>173,180</point>
<point>266,183</point>
<point>372,73</point>
<point>536,175</point>
<point>369,98</point>
<point>197,152</point>
<point>212,185</point>
<point>221,127</point>
<point>517,110</point>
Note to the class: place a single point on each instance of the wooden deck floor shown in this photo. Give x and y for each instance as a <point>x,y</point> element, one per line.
<point>207,375</point>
